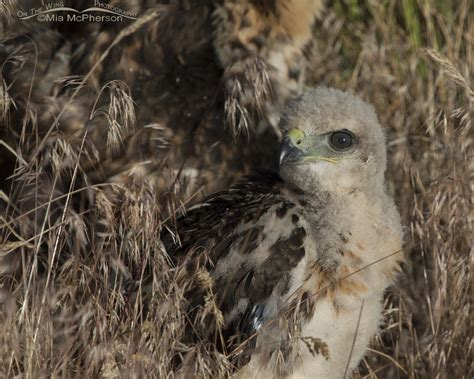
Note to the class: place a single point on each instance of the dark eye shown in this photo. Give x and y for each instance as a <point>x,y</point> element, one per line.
<point>341,140</point>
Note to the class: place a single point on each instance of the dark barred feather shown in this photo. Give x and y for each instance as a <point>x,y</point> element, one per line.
<point>207,234</point>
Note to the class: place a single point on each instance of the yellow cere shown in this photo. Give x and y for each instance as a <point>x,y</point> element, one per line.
<point>295,134</point>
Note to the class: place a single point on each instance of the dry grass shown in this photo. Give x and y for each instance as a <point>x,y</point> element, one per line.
<point>246,95</point>
<point>77,256</point>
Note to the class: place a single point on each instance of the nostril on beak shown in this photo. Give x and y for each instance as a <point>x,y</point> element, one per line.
<point>295,135</point>
<point>290,151</point>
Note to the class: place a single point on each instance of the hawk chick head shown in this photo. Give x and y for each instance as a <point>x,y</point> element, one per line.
<point>333,141</point>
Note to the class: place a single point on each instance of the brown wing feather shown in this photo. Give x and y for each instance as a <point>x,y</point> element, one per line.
<point>208,234</point>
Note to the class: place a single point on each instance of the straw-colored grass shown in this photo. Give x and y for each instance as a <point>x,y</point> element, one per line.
<point>94,163</point>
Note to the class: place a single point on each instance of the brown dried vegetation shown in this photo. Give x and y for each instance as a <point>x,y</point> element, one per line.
<point>81,210</point>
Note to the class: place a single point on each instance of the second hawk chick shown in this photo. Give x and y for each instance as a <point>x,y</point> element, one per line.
<point>298,263</point>
<point>261,44</point>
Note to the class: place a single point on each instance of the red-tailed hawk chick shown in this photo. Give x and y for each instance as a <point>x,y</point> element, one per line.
<point>298,263</point>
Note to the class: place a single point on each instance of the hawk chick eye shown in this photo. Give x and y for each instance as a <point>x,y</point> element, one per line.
<point>341,140</point>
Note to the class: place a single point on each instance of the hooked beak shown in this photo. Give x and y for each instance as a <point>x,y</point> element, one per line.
<point>289,151</point>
